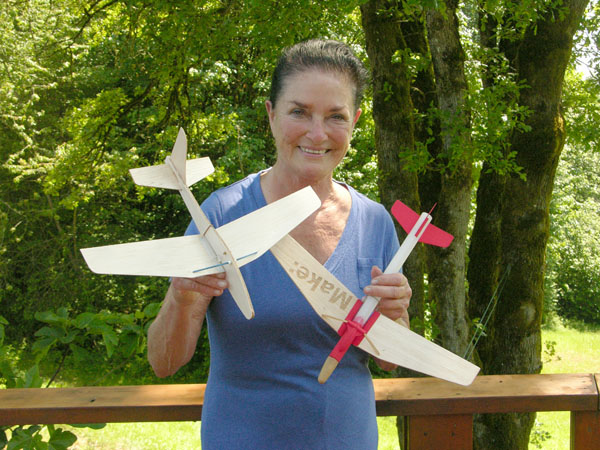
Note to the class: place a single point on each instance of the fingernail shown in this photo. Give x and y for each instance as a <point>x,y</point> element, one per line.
<point>222,284</point>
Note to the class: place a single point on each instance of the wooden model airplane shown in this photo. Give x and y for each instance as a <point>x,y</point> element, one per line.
<point>212,250</point>
<point>358,323</point>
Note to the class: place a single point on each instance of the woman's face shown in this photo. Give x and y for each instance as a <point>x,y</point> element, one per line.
<point>312,122</point>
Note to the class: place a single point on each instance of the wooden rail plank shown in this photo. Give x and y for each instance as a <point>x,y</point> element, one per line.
<point>487,394</point>
<point>154,403</point>
<point>395,397</point>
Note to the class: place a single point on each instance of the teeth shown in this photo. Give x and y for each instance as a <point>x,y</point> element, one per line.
<point>313,152</point>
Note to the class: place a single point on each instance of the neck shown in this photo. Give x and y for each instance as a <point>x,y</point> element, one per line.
<point>276,184</point>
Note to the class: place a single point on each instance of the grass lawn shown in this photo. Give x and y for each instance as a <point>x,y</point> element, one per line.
<point>574,352</point>
<point>178,436</point>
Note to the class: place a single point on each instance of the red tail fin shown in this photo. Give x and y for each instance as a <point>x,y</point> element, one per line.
<point>407,218</point>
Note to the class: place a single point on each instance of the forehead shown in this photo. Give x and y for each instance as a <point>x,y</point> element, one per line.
<point>315,85</point>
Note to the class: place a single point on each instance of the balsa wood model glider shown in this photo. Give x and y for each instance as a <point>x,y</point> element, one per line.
<point>224,249</point>
<point>357,322</point>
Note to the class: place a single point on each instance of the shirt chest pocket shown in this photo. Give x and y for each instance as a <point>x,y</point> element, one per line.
<point>364,266</point>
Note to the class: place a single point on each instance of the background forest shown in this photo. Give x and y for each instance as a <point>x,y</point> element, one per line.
<point>487,108</point>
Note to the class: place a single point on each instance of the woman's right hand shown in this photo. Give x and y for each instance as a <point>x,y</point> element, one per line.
<point>186,290</point>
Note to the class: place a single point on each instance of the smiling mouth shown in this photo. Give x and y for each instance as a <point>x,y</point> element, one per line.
<point>311,151</point>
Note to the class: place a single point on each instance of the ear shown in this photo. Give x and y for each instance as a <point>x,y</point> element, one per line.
<point>356,116</point>
<point>270,110</point>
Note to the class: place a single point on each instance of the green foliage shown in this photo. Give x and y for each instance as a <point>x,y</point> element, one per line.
<point>84,343</point>
<point>573,259</point>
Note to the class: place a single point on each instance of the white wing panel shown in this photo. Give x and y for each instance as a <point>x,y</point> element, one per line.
<point>172,257</point>
<point>253,234</point>
<point>399,345</point>
<point>386,339</point>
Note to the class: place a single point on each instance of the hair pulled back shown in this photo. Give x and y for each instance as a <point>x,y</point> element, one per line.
<point>326,55</point>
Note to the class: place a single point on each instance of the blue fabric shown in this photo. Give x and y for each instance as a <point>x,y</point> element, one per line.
<point>262,391</point>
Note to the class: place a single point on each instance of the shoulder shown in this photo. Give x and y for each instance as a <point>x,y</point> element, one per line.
<point>236,200</point>
<point>369,211</point>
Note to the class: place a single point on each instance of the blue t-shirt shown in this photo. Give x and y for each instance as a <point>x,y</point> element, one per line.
<point>262,390</point>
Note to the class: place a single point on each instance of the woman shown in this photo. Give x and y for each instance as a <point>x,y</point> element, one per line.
<point>262,390</point>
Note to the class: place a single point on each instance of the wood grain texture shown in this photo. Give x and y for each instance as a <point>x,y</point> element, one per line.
<point>386,339</point>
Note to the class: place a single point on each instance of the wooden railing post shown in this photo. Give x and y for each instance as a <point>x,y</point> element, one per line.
<point>585,426</point>
<point>443,432</point>
<point>585,430</point>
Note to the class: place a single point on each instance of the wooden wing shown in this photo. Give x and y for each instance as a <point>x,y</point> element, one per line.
<point>386,340</point>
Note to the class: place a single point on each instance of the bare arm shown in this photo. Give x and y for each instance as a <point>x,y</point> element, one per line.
<point>395,294</point>
<point>173,335</point>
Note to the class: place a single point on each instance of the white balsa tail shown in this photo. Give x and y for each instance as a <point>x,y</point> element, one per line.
<point>162,176</point>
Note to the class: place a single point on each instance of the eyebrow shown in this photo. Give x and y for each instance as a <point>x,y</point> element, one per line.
<point>305,106</point>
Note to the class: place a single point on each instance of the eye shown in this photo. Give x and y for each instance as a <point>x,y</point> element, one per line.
<point>339,117</point>
<point>297,112</point>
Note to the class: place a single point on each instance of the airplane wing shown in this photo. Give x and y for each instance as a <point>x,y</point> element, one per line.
<point>399,345</point>
<point>407,218</point>
<point>171,257</point>
<point>386,339</point>
<point>252,235</point>
<point>190,256</point>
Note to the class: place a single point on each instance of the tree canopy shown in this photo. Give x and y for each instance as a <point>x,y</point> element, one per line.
<point>471,105</point>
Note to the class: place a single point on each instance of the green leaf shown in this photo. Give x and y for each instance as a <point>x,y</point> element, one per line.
<point>110,341</point>
<point>42,345</point>
<point>80,353</point>
<point>70,337</point>
<point>50,332</point>
<point>61,439</point>
<point>151,310</point>
<point>93,426</point>
<point>32,378</point>
<point>84,319</point>
<point>50,317</point>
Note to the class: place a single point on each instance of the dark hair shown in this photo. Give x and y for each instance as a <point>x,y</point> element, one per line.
<point>327,55</point>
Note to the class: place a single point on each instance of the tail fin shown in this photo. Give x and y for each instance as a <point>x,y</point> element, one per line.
<point>407,219</point>
<point>179,154</point>
<point>162,175</point>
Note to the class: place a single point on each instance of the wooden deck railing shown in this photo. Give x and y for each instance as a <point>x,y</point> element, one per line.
<point>439,415</point>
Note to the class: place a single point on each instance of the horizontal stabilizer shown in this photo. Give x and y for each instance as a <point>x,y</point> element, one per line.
<point>162,175</point>
<point>407,218</point>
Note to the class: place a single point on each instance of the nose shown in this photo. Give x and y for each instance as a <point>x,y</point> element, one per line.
<point>317,132</point>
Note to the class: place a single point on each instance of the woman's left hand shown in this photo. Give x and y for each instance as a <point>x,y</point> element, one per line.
<point>395,292</point>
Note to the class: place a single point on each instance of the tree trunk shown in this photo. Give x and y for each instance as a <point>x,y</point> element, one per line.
<point>394,128</point>
<point>447,266</point>
<point>515,234</point>
<point>394,132</point>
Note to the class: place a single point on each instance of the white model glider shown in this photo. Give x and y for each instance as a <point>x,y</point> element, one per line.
<point>357,322</point>
<point>224,249</point>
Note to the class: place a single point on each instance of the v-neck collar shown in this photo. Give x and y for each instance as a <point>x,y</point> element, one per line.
<point>349,227</point>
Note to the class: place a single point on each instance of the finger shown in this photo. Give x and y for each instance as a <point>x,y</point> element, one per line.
<point>375,272</point>
<point>208,285</point>
<point>391,292</point>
